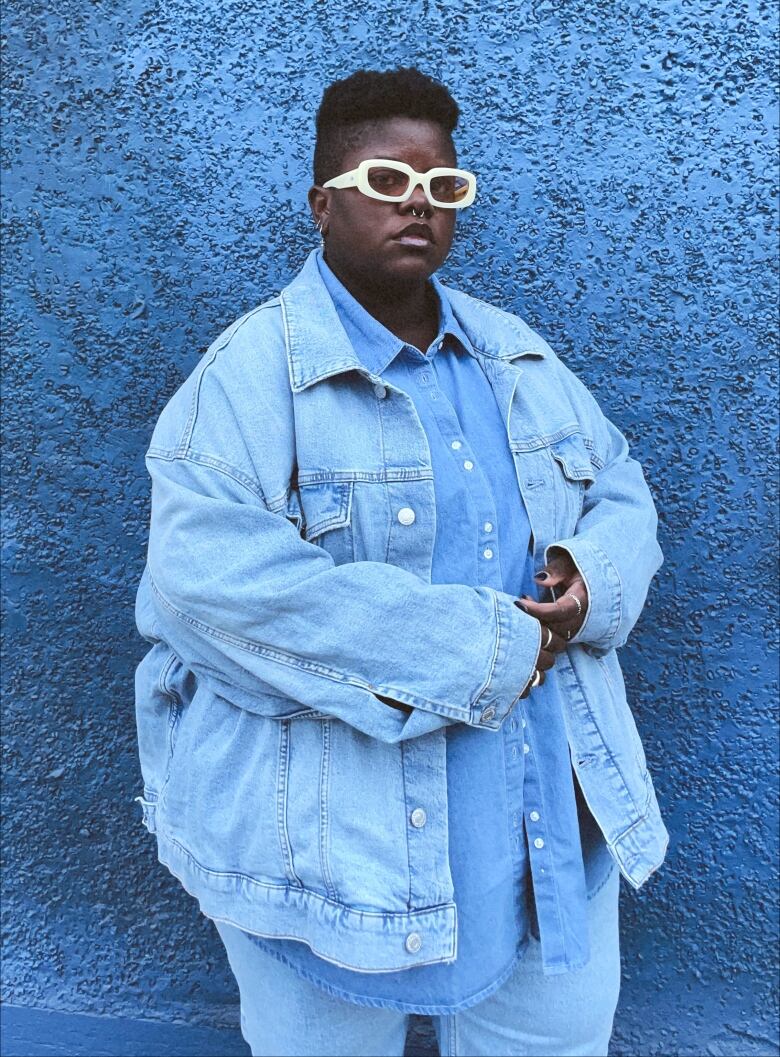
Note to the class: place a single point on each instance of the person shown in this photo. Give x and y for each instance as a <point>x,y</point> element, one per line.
<point>394,547</point>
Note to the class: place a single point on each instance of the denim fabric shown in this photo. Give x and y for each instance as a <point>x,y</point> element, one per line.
<point>289,583</point>
<point>531,1014</point>
<point>482,537</point>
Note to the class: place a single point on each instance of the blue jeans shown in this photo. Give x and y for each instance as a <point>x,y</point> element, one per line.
<point>532,1015</point>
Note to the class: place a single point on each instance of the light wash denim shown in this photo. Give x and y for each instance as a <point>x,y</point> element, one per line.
<point>288,583</point>
<point>569,1015</point>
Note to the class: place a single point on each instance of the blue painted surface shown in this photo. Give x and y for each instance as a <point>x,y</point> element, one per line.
<point>156,164</point>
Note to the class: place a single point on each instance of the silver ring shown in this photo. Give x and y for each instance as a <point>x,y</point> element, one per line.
<point>568,635</point>
<point>549,638</point>
<point>536,679</point>
<point>579,604</point>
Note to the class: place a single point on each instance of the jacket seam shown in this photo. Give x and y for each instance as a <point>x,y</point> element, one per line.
<point>213,463</point>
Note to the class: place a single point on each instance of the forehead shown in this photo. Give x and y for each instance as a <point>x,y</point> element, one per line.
<point>421,144</point>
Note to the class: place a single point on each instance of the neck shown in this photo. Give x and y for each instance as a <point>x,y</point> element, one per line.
<point>407,310</point>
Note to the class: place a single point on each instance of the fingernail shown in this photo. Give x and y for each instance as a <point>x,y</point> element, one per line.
<point>520,606</point>
<point>542,576</point>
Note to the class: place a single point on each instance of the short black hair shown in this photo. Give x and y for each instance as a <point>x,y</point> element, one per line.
<point>372,95</point>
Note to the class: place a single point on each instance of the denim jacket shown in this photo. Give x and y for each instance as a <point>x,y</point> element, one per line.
<point>287,586</point>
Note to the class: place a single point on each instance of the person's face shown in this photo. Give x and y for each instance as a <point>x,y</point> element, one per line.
<point>362,234</point>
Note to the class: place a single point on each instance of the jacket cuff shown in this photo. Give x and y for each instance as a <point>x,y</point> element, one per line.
<point>605,591</point>
<point>518,640</point>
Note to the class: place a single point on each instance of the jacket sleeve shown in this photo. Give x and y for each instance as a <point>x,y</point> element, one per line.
<point>614,545</point>
<point>268,618</point>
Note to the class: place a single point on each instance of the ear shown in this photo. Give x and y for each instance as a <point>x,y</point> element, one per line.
<point>319,200</point>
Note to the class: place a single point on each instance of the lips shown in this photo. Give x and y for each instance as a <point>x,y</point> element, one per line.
<point>415,235</point>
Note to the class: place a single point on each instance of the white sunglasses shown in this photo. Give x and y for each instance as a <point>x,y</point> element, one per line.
<point>394,181</point>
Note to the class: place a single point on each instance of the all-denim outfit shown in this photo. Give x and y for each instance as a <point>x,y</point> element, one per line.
<point>337,515</point>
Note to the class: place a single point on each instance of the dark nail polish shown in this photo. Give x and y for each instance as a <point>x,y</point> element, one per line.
<point>542,576</point>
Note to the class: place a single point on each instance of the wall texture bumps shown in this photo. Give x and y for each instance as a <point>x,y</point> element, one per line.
<point>156,163</point>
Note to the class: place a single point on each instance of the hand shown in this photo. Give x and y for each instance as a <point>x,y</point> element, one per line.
<point>544,661</point>
<point>564,617</point>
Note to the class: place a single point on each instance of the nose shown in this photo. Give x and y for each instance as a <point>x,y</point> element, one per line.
<point>417,200</point>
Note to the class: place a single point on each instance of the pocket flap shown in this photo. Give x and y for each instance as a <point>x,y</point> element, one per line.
<point>326,505</point>
<point>574,458</point>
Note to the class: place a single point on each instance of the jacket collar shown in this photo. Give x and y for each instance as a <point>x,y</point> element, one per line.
<point>318,345</point>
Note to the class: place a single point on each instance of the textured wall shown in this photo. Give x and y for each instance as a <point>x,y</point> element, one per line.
<point>157,161</point>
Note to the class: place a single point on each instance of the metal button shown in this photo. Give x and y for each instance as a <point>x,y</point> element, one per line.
<point>406,515</point>
<point>468,464</point>
<point>380,390</point>
<point>488,552</point>
<point>538,843</point>
<point>535,816</point>
<point>488,526</point>
<point>526,748</point>
<point>456,444</point>
<point>488,714</point>
<point>413,942</point>
<point>418,818</point>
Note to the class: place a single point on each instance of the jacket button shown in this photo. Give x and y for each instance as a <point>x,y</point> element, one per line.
<point>413,942</point>
<point>488,714</point>
<point>406,515</point>
<point>380,391</point>
<point>418,818</point>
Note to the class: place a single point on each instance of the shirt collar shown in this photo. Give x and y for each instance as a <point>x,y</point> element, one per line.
<point>375,345</point>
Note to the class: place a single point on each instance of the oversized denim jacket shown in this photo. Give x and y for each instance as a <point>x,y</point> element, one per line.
<point>288,584</point>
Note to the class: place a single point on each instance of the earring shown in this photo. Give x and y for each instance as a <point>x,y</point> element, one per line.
<point>322,234</point>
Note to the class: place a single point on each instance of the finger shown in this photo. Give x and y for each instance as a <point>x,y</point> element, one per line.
<point>553,639</point>
<point>557,571</point>
<point>563,611</point>
<point>545,660</point>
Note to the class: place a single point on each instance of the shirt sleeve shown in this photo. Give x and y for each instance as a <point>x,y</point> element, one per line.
<point>268,618</point>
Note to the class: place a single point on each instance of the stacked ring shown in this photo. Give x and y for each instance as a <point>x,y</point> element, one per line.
<point>536,679</point>
<point>549,638</point>
<point>579,604</point>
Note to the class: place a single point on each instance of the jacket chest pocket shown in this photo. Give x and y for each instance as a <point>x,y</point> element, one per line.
<point>573,472</point>
<point>322,511</point>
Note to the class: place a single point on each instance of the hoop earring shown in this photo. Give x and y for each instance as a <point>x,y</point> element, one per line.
<point>322,234</point>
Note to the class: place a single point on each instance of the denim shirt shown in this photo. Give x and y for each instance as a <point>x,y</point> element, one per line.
<point>493,783</point>
<point>289,585</point>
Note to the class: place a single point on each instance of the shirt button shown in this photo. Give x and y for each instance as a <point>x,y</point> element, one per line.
<point>426,376</point>
<point>418,818</point>
<point>488,714</point>
<point>526,748</point>
<point>456,444</point>
<point>488,552</point>
<point>488,526</point>
<point>468,464</point>
<point>406,515</point>
<point>535,816</point>
<point>413,942</point>
<point>380,391</point>
<point>538,843</point>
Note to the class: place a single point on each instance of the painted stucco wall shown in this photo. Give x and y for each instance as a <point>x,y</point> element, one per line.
<point>156,163</point>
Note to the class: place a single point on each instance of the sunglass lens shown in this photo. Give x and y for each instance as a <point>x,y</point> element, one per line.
<point>449,188</point>
<point>387,181</point>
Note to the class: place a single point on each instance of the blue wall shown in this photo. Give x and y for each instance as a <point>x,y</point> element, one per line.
<point>157,160</point>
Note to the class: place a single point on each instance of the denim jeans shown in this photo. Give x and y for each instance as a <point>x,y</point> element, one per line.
<point>531,1014</point>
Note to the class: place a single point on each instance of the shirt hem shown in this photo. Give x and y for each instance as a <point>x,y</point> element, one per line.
<point>430,1010</point>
